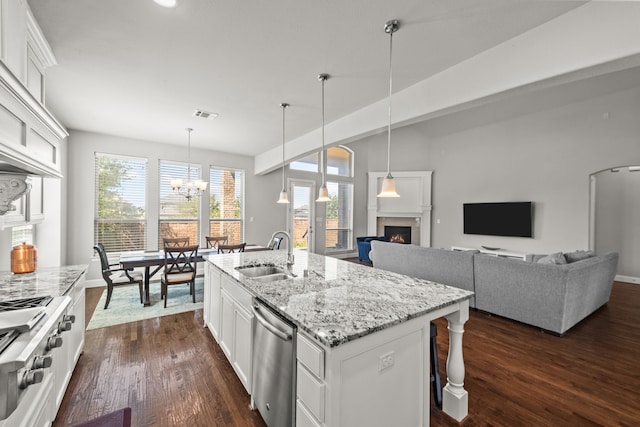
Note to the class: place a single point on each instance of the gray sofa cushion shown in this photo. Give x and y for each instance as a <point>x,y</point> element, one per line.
<point>453,268</point>
<point>556,258</point>
<point>577,256</point>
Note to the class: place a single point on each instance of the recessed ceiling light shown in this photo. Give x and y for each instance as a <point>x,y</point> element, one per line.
<point>166,3</point>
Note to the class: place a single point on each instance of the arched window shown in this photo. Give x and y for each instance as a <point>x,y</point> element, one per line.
<point>339,161</point>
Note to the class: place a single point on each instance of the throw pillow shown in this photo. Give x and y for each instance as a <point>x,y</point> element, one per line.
<point>555,258</point>
<point>577,255</point>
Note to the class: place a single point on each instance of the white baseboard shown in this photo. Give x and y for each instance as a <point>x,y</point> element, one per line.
<point>628,279</point>
<point>94,283</point>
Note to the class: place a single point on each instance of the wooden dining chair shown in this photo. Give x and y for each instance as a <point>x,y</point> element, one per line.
<point>180,267</point>
<point>228,249</point>
<point>175,242</point>
<point>115,276</point>
<point>214,241</point>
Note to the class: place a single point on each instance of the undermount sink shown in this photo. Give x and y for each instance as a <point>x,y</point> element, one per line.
<point>260,270</point>
<point>272,277</point>
<point>265,273</point>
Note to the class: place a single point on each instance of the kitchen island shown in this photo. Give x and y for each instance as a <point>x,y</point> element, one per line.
<point>363,335</point>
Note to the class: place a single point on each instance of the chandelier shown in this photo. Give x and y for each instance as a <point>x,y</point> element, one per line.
<point>192,188</point>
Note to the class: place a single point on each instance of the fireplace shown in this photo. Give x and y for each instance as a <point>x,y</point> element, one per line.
<point>412,209</point>
<point>399,229</point>
<point>397,234</point>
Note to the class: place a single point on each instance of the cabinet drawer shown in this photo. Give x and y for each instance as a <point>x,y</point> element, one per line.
<point>311,356</point>
<point>242,297</point>
<point>304,418</point>
<point>310,392</point>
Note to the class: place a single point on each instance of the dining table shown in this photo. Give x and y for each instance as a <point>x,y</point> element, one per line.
<point>153,261</point>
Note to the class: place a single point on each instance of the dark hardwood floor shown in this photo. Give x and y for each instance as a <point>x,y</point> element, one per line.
<point>171,373</point>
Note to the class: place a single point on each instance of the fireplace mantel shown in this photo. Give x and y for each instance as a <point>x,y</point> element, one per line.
<point>414,188</point>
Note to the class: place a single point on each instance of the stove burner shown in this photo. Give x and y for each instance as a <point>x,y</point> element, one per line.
<point>19,304</point>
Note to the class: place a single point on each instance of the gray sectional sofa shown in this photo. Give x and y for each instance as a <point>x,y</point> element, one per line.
<point>547,295</point>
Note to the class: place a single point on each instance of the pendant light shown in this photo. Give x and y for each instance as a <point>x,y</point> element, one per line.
<point>388,184</point>
<point>323,194</point>
<point>283,194</point>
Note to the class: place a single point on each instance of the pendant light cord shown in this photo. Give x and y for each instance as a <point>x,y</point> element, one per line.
<point>390,94</point>
<point>188,159</point>
<point>284,107</point>
<point>323,78</point>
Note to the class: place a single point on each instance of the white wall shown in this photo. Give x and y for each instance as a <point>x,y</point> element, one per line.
<point>617,218</point>
<point>260,191</point>
<point>492,155</point>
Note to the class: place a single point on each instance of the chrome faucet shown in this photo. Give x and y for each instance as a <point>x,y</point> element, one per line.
<point>290,257</point>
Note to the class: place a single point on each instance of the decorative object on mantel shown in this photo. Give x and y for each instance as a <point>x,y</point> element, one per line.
<point>323,194</point>
<point>12,187</point>
<point>191,189</point>
<point>388,184</point>
<point>283,194</point>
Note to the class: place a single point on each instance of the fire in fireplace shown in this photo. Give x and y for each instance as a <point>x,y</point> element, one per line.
<point>397,234</point>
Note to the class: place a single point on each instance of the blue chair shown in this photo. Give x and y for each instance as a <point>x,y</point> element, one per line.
<point>364,246</point>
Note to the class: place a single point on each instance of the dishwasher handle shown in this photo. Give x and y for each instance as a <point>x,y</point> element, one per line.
<point>264,322</point>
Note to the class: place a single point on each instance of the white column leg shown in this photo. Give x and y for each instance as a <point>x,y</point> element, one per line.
<point>455,399</point>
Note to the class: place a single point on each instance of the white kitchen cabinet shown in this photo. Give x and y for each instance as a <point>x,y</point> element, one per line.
<point>13,27</point>
<point>236,328</point>
<point>212,300</point>
<point>310,385</point>
<point>227,308</point>
<point>243,343</point>
<point>29,135</point>
<point>25,51</point>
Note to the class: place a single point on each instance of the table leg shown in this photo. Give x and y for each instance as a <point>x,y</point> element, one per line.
<point>147,277</point>
<point>455,400</point>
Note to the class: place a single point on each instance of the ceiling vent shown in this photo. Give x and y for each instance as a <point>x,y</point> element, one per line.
<point>205,114</point>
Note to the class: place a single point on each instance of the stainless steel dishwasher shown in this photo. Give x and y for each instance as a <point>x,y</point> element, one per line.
<point>274,367</point>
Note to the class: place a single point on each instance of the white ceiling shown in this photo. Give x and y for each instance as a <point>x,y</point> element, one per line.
<point>137,70</point>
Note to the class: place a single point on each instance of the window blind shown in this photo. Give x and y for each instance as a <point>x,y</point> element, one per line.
<point>226,204</point>
<point>178,216</point>
<point>120,203</point>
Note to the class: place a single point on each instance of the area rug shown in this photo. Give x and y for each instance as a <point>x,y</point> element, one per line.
<point>125,304</point>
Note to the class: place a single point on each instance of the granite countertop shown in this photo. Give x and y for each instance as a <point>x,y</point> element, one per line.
<point>338,301</point>
<point>49,281</point>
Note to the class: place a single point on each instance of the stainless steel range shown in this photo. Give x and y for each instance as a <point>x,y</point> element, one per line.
<point>30,329</point>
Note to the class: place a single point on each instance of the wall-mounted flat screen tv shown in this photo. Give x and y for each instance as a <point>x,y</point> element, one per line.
<point>513,219</point>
